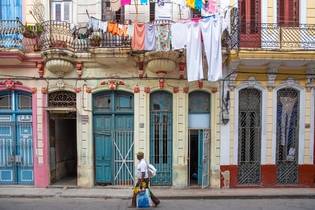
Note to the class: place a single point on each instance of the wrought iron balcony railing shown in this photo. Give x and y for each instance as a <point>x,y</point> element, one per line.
<point>270,36</point>
<point>10,34</point>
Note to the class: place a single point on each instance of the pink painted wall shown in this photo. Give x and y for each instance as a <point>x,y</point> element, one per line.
<point>42,175</point>
<point>41,172</point>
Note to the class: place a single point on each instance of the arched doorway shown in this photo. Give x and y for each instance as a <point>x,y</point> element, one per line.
<point>199,138</point>
<point>287,135</point>
<point>249,136</point>
<point>161,138</point>
<point>16,138</point>
<point>62,137</point>
<point>113,116</point>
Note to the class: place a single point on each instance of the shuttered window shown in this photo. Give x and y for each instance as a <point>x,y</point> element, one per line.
<point>61,11</point>
<point>288,12</point>
<point>250,13</point>
<point>109,14</point>
<point>10,9</point>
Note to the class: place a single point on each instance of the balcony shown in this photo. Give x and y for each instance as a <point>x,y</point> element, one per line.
<point>269,36</point>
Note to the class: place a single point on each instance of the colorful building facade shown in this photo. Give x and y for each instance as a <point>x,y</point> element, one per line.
<point>268,138</point>
<point>75,114</point>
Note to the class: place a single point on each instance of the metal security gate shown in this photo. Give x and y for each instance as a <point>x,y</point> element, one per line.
<point>161,137</point>
<point>287,135</point>
<point>249,136</point>
<point>113,138</point>
<point>16,144</point>
<point>205,157</point>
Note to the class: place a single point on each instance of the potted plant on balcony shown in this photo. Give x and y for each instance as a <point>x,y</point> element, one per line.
<point>95,40</point>
<point>33,31</point>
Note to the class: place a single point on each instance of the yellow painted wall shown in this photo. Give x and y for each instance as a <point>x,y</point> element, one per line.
<point>310,12</point>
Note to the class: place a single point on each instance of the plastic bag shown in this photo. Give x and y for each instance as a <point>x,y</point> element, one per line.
<point>144,199</point>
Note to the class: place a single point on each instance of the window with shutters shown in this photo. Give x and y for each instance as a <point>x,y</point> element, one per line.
<point>288,12</point>
<point>250,23</point>
<point>109,14</point>
<point>250,15</point>
<point>61,11</point>
<point>10,10</point>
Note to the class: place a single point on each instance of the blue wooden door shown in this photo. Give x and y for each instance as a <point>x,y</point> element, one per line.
<point>113,136</point>
<point>16,145</point>
<point>103,145</point>
<point>161,137</point>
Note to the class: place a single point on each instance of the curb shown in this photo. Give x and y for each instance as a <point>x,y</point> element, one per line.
<point>201,197</point>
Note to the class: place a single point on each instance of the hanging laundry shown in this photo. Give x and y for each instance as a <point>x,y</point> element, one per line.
<point>211,6</point>
<point>190,3</point>
<point>211,33</point>
<point>125,2</point>
<point>160,2</point>
<point>138,36</point>
<point>112,28</point>
<point>226,20</point>
<point>194,53</point>
<point>198,4</point>
<point>115,5</point>
<point>179,33</point>
<point>163,38</point>
<point>143,2</point>
<point>163,12</point>
<point>103,26</point>
<point>149,40</point>
<point>180,2</point>
<point>94,23</point>
<point>130,30</point>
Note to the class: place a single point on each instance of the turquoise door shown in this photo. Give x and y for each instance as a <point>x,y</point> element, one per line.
<point>16,145</point>
<point>113,137</point>
<point>161,137</point>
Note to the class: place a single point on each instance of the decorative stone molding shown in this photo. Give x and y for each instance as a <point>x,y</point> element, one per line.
<point>88,90</point>
<point>147,89</point>
<point>175,89</point>
<point>214,89</point>
<point>161,83</point>
<point>59,62</point>
<point>200,84</point>
<point>10,84</point>
<point>79,67</point>
<point>44,90</point>
<point>273,69</point>
<point>136,89</point>
<point>113,84</point>
<point>186,89</point>
<point>77,90</point>
<point>60,84</point>
<point>161,63</point>
<point>34,90</point>
<point>182,66</point>
<point>271,81</point>
<point>41,69</point>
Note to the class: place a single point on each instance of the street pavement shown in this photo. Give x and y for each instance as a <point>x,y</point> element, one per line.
<point>118,204</point>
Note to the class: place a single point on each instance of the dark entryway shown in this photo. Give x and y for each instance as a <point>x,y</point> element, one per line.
<point>193,157</point>
<point>63,148</point>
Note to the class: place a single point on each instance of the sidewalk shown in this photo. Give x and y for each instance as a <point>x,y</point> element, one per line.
<point>163,193</point>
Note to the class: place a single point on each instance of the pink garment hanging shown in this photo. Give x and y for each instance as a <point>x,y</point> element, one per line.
<point>125,2</point>
<point>212,7</point>
<point>138,36</point>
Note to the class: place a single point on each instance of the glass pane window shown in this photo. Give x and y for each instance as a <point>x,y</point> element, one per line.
<point>199,102</point>
<point>61,10</point>
<point>102,102</point>
<point>24,101</point>
<point>5,101</point>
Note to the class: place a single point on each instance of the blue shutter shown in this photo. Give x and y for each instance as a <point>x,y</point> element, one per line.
<point>10,9</point>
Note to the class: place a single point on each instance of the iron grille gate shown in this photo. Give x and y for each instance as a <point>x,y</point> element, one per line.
<point>249,136</point>
<point>123,157</point>
<point>161,146</point>
<point>16,150</point>
<point>287,135</point>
